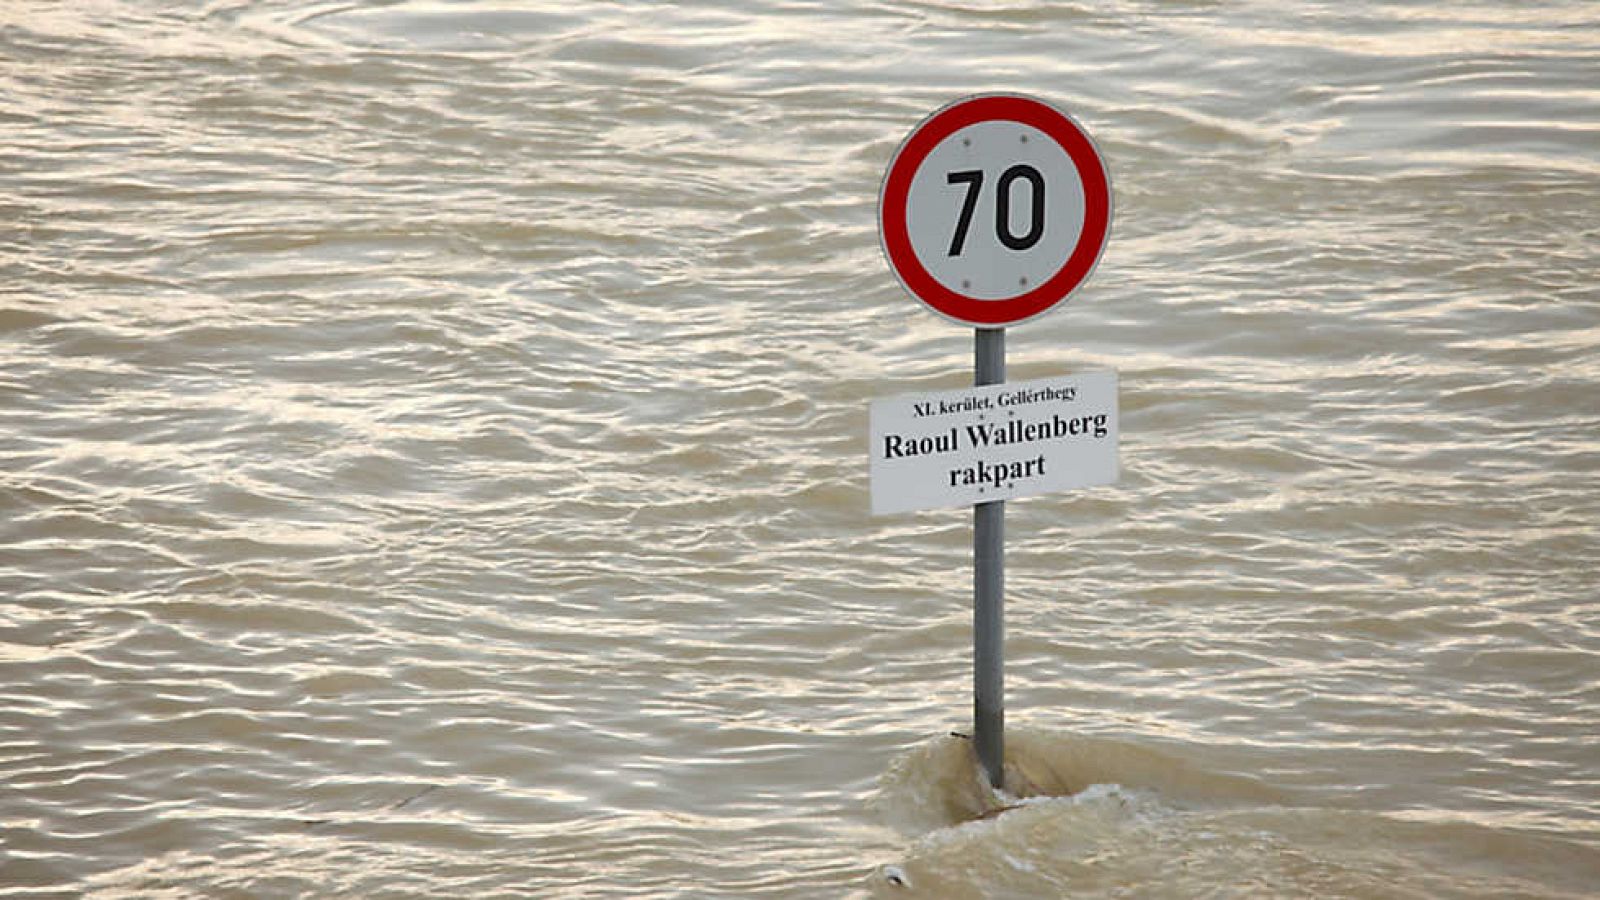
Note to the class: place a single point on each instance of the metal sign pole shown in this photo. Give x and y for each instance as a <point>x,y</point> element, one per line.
<point>988,582</point>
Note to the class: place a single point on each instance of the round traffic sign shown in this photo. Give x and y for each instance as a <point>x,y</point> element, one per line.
<point>995,209</point>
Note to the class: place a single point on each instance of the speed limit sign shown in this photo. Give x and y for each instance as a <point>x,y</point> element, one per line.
<point>995,209</point>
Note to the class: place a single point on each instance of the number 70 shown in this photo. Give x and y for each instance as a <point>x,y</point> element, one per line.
<point>973,179</point>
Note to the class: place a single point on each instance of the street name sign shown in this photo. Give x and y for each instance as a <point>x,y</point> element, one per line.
<point>995,209</point>
<point>998,442</point>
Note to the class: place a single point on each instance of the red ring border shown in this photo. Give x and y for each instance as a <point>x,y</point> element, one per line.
<point>945,121</point>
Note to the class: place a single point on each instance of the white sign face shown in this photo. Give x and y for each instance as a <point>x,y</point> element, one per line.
<point>997,442</point>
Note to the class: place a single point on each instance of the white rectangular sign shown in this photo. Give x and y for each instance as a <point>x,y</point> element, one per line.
<point>997,442</point>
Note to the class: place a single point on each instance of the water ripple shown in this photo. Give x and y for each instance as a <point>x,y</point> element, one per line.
<point>430,456</point>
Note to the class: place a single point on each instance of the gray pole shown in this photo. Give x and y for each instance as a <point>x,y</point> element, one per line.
<point>988,583</point>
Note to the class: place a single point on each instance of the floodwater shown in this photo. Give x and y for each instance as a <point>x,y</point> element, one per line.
<point>433,456</point>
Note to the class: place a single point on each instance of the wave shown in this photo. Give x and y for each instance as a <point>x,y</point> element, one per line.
<point>1101,817</point>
